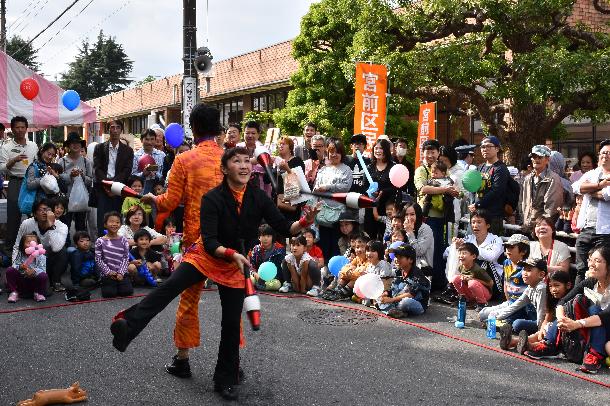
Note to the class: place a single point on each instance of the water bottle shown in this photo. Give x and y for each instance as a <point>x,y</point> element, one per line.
<point>461,314</point>
<point>491,326</point>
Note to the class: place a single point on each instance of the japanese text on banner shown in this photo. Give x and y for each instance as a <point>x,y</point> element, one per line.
<point>370,100</point>
<point>426,129</point>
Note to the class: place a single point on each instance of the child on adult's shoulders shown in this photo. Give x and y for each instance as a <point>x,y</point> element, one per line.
<point>82,262</point>
<point>112,258</point>
<point>143,255</point>
<point>516,249</point>
<point>409,292</point>
<point>27,279</point>
<point>301,271</point>
<point>472,281</point>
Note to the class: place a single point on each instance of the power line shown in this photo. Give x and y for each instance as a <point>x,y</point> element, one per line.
<point>65,25</point>
<point>115,11</point>
<point>21,14</point>
<point>48,26</point>
<point>29,11</point>
<point>33,17</point>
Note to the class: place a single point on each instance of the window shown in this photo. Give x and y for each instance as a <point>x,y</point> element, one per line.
<point>231,111</point>
<point>269,101</point>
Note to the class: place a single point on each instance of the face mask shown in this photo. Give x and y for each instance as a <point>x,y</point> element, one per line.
<point>401,151</point>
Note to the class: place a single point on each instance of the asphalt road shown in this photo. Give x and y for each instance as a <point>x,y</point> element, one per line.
<point>306,353</point>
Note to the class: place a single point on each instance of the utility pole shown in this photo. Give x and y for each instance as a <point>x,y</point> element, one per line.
<point>3,24</point>
<point>190,90</point>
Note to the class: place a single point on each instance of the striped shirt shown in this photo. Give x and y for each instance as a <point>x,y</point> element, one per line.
<point>111,255</point>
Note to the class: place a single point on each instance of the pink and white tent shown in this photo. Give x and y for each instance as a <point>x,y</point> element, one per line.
<point>46,109</point>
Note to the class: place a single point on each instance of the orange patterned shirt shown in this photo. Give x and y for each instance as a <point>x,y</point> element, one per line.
<point>193,174</point>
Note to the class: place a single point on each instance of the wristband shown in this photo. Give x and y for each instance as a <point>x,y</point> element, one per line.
<point>229,253</point>
<point>304,223</point>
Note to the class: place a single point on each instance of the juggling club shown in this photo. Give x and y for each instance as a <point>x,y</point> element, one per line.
<point>264,159</point>
<point>120,189</point>
<point>351,199</point>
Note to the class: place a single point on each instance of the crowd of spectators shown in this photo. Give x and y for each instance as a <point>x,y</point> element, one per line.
<point>547,296</point>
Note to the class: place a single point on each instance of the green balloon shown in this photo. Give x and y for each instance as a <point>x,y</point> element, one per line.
<point>472,180</point>
<point>175,248</point>
<point>273,285</point>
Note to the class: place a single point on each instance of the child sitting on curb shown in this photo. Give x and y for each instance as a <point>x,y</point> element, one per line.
<point>472,281</point>
<point>349,273</point>
<point>82,262</point>
<point>301,272</point>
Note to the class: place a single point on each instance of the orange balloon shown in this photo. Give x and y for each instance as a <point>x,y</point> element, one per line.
<point>29,88</point>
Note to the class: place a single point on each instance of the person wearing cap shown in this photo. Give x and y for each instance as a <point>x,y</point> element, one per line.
<point>492,197</point>
<point>348,224</point>
<point>534,273</point>
<point>594,215</point>
<point>516,249</point>
<point>358,143</point>
<point>542,191</point>
<point>73,165</point>
<point>409,293</point>
<point>401,148</point>
<point>435,219</point>
<point>149,140</point>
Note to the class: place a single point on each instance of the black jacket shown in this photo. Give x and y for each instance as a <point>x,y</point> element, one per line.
<point>493,197</point>
<point>579,289</point>
<point>221,225</point>
<point>124,162</point>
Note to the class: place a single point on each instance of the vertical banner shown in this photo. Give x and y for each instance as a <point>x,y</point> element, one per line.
<point>426,128</point>
<point>370,102</point>
<point>189,93</point>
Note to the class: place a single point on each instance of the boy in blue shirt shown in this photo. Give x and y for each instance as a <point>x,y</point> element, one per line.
<point>82,262</point>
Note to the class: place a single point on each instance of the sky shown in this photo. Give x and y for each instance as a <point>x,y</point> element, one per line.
<point>151,31</point>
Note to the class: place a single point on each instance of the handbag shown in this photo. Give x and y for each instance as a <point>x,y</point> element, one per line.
<point>26,198</point>
<point>329,215</point>
<point>292,190</point>
<point>79,197</point>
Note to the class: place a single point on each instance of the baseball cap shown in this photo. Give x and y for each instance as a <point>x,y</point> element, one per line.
<point>492,139</point>
<point>516,239</point>
<point>540,150</point>
<point>404,250</point>
<point>358,138</point>
<point>534,263</point>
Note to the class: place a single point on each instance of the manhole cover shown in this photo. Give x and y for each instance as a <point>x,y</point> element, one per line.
<point>336,317</point>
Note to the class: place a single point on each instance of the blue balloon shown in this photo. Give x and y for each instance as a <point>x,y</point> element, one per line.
<point>174,135</point>
<point>267,271</point>
<point>336,263</point>
<point>394,245</point>
<point>70,99</point>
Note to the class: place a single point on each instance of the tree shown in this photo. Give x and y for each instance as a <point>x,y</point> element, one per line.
<point>522,67</point>
<point>99,69</point>
<point>324,83</point>
<point>25,54</point>
<point>147,79</point>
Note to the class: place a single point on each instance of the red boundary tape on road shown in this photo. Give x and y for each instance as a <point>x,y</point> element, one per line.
<point>332,304</point>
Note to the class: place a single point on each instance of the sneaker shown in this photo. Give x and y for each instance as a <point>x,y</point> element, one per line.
<point>58,287</point>
<point>396,313</point>
<point>13,297</point>
<point>522,345</point>
<point>39,298</point>
<point>286,287</point>
<point>314,291</point>
<point>506,336</point>
<point>179,367</point>
<point>542,350</point>
<point>592,362</point>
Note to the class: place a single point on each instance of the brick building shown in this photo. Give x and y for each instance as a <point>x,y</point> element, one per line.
<point>260,81</point>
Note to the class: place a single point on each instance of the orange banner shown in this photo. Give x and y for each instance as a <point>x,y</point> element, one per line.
<point>370,104</point>
<point>426,128</point>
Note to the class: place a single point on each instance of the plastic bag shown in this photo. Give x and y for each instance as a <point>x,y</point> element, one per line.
<point>292,189</point>
<point>49,184</point>
<point>79,197</point>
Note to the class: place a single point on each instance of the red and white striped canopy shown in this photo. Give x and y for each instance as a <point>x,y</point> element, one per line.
<point>46,109</point>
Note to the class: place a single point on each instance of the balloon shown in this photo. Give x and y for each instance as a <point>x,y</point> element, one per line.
<point>399,175</point>
<point>267,271</point>
<point>174,135</point>
<point>29,88</point>
<point>357,291</point>
<point>90,149</point>
<point>394,245</point>
<point>273,285</point>
<point>144,161</point>
<point>371,286</point>
<point>175,248</point>
<point>70,99</point>
<point>336,263</point>
<point>472,180</point>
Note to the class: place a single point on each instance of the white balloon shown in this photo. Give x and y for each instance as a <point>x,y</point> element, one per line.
<point>90,149</point>
<point>371,285</point>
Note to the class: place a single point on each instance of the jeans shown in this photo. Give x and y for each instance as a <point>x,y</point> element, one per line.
<point>57,263</point>
<point>16,282</point>
<point>13,215</point>
<point>410,306</point>
<point>439,279</point>
<point>531,326</point>
<point>597,335</point>
<point>587,240</point>
<point>231,300</point>
<point>105,204</point>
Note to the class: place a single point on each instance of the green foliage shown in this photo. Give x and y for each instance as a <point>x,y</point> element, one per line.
<point>264,118</point>
<point>99,68</point>
<point>147,79</point>
<point>16,47</point>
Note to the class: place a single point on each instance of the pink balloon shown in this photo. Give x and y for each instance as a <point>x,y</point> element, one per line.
<point>399,175</point>
<point>357,289</point>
